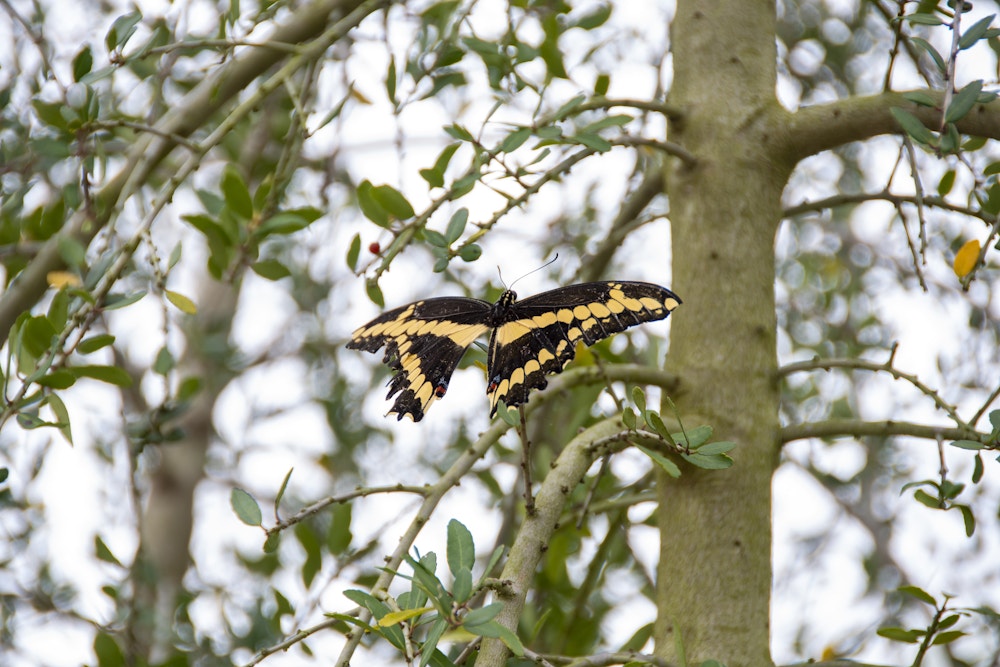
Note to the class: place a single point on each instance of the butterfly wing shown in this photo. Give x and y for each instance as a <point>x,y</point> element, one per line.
<point>539,334</point>
<point>424,342</point>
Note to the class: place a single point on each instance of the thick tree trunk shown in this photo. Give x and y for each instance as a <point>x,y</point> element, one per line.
<point>714,579</point>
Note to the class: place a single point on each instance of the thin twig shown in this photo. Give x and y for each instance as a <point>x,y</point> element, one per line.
<point>887,367</point>
<point>522,430</point>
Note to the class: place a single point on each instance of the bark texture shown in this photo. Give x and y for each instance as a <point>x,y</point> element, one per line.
<point>714,578</point>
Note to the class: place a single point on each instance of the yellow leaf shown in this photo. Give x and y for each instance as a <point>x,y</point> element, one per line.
<point>394,617</point>
<point>182,303</point>
<point>966,258</point>
<point>60,279</point>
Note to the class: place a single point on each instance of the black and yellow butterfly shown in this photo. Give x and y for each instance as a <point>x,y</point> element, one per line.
<point>425,340</point>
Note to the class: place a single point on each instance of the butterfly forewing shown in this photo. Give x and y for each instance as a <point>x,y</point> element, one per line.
<point>540,334</point>
<point>424,342</point>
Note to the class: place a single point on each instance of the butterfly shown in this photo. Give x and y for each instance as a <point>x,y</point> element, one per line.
<point>532,338</point>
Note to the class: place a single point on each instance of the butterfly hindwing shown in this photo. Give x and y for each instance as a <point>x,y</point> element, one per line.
<point>540,334</point>
<point>424,342</point>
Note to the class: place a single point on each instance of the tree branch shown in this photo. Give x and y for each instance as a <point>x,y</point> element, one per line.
<point>814,129</point>
<point>832,428</point>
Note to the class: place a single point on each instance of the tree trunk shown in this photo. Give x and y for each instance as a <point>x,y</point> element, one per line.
<point>714,578</point>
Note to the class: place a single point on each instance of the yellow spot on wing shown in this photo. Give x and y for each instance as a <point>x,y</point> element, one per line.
<point>581,312</point>
<point>651,303</point>
<point>599,310</point>
<point>615,306</point>
<point>467,333</point>
<point>425,394</point>
<point>545,355</point>
<point>517,377</point>
<point>534,366</point>
<point>511,331</point>
<point>544,320</point>
<point>565,316</point>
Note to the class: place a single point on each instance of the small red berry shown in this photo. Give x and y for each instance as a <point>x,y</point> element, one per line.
<point>375,248</point>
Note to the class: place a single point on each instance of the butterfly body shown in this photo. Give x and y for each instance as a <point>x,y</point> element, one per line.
<point>425,340</point>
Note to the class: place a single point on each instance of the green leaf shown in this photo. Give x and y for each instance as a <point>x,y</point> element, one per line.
<point>109,374</point>
<point>354,252</point>
<point>655,422</point>
<point>390,81</point>
<point>311,545</point>
<point>968,518</point>
<point>4,474</point>
<point>103,553</point>
<point>515,139</point>
<point>963,101</point>
<point>933,53</point>
<point>601,84</point>
<point>456,225</point>
<point>639,398</point>
<point>59,379</point>
<point>629,418</point>
<point>925,498</point>
<point>62,416</point>
<point>369,206</point>
<point>720,447</point>
<point>164,362</point>
<point>596,18</point>
<point>566,109</point>
<point>339,536</point>
<point>37,335</point>
<point>912,126</point>
<point>593,141</point>
<point>121,30</point>
<point>461,549</point>
<point>713,462</point>
<point>71,251</point>
<point>181,302</point>
<point>462,588</point>
<point>900,635</point>
<point>668,466</point>
<point>921,18</point>
<point>435,238</point>
<point>481,616</point>
<point>459,132</point>
<point>975,32</point>
<point>270,269</point>
<point>977,469</point>
<point>375,293</point>
<point>947,637</point>
<point>433,637</point>
<point>946,183</point>
<point>107,651</point>
<point>116,301</point>
<point>82,63</point>
<point>509,415</point>
<point>695,437</point>
<point>286,222</point>
<point>920,97</point>
<point>236,193</point>
<point>918,593</point>
<point>470,253</point>
<point>968,444</point>
<point>245,507</point>
<point>393,201</point>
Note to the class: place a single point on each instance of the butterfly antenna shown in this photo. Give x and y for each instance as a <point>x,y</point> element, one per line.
<point>548,263</point>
